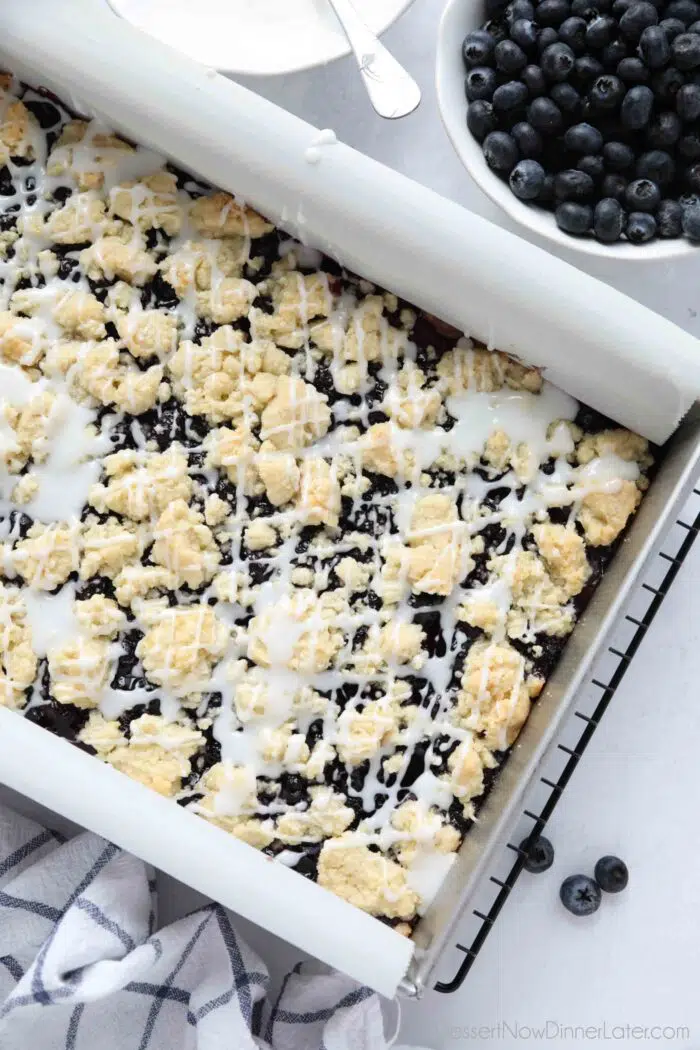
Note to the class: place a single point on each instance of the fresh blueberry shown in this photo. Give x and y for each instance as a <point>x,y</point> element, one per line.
<point>586,69</point>
<point>573,185</point>
<point>641,227</point>
<point>614,185</point>
<point>688,102</point>
<point>552,12</point>
<point>591,165</point>
<point>654,47</point>
<point>607,92</point>
<point>636,18</point>
<point>545,115</point>
<point>656,165</point>
<point>633,71</point>
<point>557,61</point>
<point>672,27</point>
<point>668,219</point>
<point>642,195</point>
<point>524,33</point>
<point>500,152</point>
<point>510,97</point>
<point>636,107</point>
<point>533,79</point>
<point>566,97</point>
<point>519,9</point>
<point>509,57</point>
<point>694,28</point>
<point>477,49</point>
<point>526,179</point>
<point>497,29</point>
<point>583,138</point>
<point>618,156</point>
<point>600,31</point>
<point>664,130</point>
<point>586,9</point>
<point>528,141</point>
<point>547,192</point>
<point>613,53</point>
<point>692,177</point>
<point>690,220</point>
<point>547,36</point>
<point>573,218</point>
<point>608,220</point>
<point>666,84</point>
<point>573,32</point>
<point>480,83</point>
<point>686,11</point>
<point>539,854</point>
<point>611,874</point>
<point>620,6</point>
<point>580,895</point>
<point>689,145</point>
<point>685,51</point>
<point>481,119</point>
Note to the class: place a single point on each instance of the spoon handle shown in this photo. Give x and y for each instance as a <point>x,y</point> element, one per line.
<point>391,90</point>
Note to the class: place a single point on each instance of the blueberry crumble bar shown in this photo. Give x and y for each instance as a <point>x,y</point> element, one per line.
<point>273,542</point>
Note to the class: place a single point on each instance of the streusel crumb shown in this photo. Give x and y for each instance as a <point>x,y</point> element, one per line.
<point>273,542</point>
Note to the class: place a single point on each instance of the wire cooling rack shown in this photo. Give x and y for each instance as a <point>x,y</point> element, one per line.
<point>591,706</point>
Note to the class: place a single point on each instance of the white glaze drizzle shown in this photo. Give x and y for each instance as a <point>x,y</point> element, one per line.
<point>72,465</point>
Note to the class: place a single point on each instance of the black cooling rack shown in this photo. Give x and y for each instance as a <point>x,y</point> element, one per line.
<point>682,536</point>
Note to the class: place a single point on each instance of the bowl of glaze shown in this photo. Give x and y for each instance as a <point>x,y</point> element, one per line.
<point>255,37</point>
<point>459,18</point>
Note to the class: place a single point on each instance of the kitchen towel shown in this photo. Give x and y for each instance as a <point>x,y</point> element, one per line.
<point>82,966</point>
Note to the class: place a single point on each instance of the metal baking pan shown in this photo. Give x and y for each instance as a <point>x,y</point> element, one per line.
<point>459,267</point>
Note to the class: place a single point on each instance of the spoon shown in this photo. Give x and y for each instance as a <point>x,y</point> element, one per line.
<point>392,91</point>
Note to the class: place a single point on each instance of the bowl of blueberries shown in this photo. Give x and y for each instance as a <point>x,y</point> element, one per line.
<point>580,118</point>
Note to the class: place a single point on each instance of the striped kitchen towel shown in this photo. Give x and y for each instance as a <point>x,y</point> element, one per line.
<point>82,966</point>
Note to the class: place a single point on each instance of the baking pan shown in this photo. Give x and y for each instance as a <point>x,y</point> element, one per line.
<point>457,266</point>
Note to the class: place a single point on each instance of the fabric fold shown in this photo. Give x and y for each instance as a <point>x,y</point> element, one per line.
<point>82,964</point>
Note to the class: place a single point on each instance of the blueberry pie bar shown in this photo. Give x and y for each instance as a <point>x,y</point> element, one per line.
<point>272,541</point>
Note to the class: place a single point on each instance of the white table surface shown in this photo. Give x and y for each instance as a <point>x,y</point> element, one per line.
<point>635,964</point>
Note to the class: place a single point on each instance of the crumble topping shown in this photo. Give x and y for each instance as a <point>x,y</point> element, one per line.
<point>181,647</point>
<point>605,514</point>
<point>368,880</point>
<point>185,546</point>
<point>273,542</point>
<point>150,203</point>
<point>496,690</point>
<point>157,753</point>
<point>19,662</point>
<point>48,556</point>
<point>141,484</point>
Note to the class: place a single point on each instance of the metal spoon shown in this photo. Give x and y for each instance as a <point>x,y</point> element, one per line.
<point>391,90</point>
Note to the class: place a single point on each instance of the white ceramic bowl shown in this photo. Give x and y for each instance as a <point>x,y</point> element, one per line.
<point>459,17</point>
<point>259,37</point>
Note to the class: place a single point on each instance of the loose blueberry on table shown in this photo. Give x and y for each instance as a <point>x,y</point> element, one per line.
<point>538,854</point>
<point>611,874</point>
<point>580,894</point>
<point>591,109</point>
